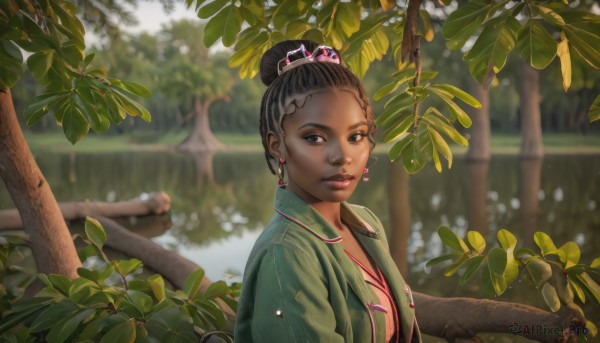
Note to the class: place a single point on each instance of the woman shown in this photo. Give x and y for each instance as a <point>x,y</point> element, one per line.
<point>321,270</point>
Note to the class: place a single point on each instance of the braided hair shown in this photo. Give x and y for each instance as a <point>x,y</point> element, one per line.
<point>303,79</point>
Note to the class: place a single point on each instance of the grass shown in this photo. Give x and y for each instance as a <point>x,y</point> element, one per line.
<point>141,140</point>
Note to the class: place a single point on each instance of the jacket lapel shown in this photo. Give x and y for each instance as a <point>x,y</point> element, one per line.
<point>401,291</point>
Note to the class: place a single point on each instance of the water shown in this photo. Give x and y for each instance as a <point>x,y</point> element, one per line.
<point>221,203</point>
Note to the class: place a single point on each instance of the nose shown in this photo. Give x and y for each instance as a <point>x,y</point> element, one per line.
<point>339,154</point>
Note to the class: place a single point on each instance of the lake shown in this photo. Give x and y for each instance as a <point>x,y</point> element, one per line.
<point>221,203</point>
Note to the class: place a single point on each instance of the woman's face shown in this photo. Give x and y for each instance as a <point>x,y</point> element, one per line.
<point>327,147</point>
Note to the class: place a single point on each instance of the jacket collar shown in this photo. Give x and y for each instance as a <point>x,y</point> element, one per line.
<point>292,207</point>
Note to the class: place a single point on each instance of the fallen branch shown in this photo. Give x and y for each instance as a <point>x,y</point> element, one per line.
<point>460,319</point>
<point>153,203</point>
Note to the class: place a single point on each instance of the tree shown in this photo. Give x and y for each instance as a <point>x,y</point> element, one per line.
<point>194,79</point>
<point>79,96</point>
<point>366,30</point>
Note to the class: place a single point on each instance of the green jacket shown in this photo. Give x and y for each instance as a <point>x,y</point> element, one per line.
<point>300,286</point>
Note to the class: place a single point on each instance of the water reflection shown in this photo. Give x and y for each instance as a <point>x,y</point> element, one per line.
<point>221,202</point>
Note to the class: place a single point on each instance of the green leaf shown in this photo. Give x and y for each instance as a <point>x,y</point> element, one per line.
<point>211,8</point>
<point>60,283</point>
<point>550,16</point>
<point>441,124</point>
<point>75,126</point>
<point>459,93</point>
<point>62,330</point>
<point>140,300</point>
<point>192,282</point>
<point>95,232</point>
<point>545,243</point>
<point>491,49</point>
<point>594,113</point>
<point>577,289</point>
<point>497,262</point>
<point>452,240</point>
<point>506,239</point>
<point>454,109</point>
<point>225,25</point>
<point>89,274</point>
<point>570,254</point>
<point>158,286</point>
<point>50,315</point>
<point>564,55</point>
<point>413,157</point>
<point>586,43</point>
<point>463,22</point>
<point>476,240</point>
<point>565,293</point>
<point>472,265</point>
<point>399,130</point>
<point>456,264</point>
<point>296,28</point>
<point>536,45</point>
<point>41,104</point>
<point>595,263</point>
<point>590,285</point>
<point>538,271</point>
<point>348,17</point>
<point>123,332</point>
<point>125,267</point>
<point>551,297</point>
<point>399,146</point>
<point>40,62</point>
<point>136,89</point>
<point>439,259</point>
<point>440,145</point>
<point>216,290</point>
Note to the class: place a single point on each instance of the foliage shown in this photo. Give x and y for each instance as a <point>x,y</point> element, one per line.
<point>79,95</point>
<point>556,272</point>
<point>367,30</point>
<point>109,302</point>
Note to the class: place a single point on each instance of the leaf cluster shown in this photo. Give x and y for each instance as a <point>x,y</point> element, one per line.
<point>95,307</point>
<point>81,96</point>
<point>556,273</point>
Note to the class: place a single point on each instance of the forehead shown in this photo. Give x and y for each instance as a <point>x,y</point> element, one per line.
<point>324,105</point>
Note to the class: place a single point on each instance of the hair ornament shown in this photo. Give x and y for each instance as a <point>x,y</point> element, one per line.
<point>294,58</point>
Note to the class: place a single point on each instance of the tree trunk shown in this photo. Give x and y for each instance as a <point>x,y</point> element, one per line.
<point>203,167</point>
<point>399,210</point>
<point>51,242</point>
<point>531,126</point>
<point>479,142</point>
<point>155,203</point>
<point>201,138</point>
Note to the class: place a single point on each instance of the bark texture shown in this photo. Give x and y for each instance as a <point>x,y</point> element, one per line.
<point>201,138</point>
<point>479,142</point>
<point>531,117</point>
<point>459,319</point>
<point>51,242</point>
<point>154,203</point>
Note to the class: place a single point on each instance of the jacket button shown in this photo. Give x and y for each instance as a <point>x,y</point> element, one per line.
<point>279,313</point>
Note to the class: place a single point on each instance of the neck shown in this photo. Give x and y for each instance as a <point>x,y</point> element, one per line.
<point>331,212</point>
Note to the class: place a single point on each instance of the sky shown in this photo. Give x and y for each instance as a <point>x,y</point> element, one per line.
<point>151,16</point>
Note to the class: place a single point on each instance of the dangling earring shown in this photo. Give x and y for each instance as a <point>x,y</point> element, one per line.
<point>366,175</point>
<point>280,170</point>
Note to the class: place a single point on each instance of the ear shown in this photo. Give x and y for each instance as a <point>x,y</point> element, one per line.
<point>275,145</point>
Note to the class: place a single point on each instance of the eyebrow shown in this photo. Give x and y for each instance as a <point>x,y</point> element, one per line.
<point>325,127</point>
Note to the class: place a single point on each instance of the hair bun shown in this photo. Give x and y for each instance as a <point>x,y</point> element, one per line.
<point>269,60</point>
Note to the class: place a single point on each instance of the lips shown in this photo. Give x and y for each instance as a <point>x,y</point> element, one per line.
<point>339,181</point>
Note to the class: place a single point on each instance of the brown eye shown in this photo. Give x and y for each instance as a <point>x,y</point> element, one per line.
<point>314,139</point>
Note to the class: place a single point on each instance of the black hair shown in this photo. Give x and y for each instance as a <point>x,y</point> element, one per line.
<point>302,79</point>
